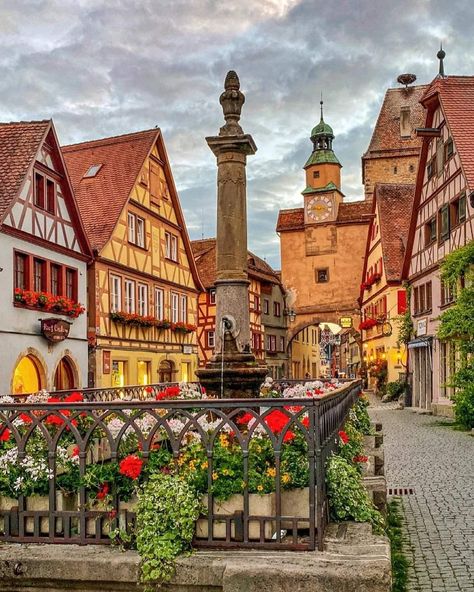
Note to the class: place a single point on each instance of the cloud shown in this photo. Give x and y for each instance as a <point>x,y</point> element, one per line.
<point>105,67</point>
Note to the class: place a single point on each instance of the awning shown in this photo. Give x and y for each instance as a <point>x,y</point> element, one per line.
<point>421,342</point>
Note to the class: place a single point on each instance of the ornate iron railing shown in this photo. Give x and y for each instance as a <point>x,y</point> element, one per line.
<point>68,469</point>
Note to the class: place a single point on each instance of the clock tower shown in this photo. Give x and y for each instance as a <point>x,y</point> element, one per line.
<point>322,195</point>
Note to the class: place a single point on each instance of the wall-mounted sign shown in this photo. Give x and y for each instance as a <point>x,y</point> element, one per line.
<point>187,349</point>
<point>55,330</point>
<point>421,327</point>
<point>106,362</point>
<point>345,322</point>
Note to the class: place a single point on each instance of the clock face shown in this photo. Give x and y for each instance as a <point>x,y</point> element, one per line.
<point>319,209</point>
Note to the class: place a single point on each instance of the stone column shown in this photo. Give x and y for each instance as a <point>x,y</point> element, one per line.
<point>231,148</point>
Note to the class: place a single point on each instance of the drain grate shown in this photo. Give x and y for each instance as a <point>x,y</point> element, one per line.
<point>401,491</point>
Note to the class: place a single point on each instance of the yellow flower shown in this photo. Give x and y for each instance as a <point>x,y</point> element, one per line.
<point>259,487</point>
<point>271,472</point>
<point>192,465</point>
<point>215,476</point>
<point>225,471</point>
<point>286,478</point>
<point>243,485</point>
<point>204,465</point>
<point>223,440</point>
<point>181,460</point>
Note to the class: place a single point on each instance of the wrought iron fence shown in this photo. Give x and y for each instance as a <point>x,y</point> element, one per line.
<point>69,469</point>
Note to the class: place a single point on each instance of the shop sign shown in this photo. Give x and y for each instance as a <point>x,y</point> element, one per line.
<point>106,362</point>
<point>345,322</point>
<point>55,330</point>
<point>421,327</point>
<point>187,349</point>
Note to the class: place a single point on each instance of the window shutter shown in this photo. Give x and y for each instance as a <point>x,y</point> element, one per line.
<point>401,302</point>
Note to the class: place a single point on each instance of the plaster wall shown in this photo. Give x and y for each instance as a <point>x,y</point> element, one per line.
<point>20,327</point>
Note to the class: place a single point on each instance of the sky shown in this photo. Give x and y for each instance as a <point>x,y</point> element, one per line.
<point>107,67</point>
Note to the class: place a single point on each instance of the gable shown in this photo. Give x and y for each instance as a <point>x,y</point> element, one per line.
<point>44,206</point>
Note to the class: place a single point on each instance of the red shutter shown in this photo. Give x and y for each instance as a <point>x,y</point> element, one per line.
<point>402,301</point>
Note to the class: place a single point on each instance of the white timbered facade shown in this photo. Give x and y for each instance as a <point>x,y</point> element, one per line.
<point>442,222</point>
<point>43,262</point>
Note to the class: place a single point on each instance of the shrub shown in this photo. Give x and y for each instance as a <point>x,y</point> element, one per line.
<point>348,498</point>
<point>394,390</point>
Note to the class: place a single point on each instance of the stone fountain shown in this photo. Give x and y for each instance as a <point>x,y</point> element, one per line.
<point>233,371</point>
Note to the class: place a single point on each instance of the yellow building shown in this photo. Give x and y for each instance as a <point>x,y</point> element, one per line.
<point>382,296</point>
<point>143,283</point>
<point>305,355</point>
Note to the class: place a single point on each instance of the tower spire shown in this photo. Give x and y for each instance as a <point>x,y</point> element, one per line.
<point>441,55</point>
<point>321,103</point>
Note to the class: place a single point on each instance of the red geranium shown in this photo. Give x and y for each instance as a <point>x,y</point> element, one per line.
<point>25,418</point>
<point>5,435</point>
<point>344,437</point>
<point>148,389</point>
<point>245,419</point>
<point>74,398</point>
<point>170,392</point>
<point>103,491</point>
<point>360,459</point>
<point>131,466</point>
<point>75,451</point>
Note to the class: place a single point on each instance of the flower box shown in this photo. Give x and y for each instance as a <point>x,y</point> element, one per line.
<point>49,302</point>
<point>295,503</point>
<point>259,506</point>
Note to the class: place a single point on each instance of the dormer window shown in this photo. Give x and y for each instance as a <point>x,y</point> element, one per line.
<point>92,171</point>
<point>45,193</point>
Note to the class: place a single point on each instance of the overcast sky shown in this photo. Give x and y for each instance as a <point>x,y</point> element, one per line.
<point>106,67</point>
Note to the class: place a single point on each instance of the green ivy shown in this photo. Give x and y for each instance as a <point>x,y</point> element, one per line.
<point>404,321</point>
<point>458,263</point>
<point>348,498</point>
<point>167,510</point>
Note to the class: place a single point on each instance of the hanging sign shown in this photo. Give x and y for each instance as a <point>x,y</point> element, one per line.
<point>106,362</point>
<point>345,322</point>
<point>55,330</point>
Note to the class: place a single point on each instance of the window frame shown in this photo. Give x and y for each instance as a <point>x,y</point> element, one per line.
<point>130,300</point>
<point>211,337</point>
<point>324,270</point>
<point>43,275</point>
<point>171,246</point>
<point>174,307</point>
<point>276,309</point>
<point>159,303</point>
<point>142,299</point>
<point>18,255</point>
<point>115,280</point>
<point>212,296</point>
<point>444,235</point>
<point>183,310</point>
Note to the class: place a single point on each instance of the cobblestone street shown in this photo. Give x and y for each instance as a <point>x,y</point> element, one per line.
<point>438,463</point>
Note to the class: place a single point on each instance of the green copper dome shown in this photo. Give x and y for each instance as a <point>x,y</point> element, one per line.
<point>322,129</point>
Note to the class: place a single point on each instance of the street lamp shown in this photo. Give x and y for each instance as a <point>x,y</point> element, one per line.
<point>291,314</point>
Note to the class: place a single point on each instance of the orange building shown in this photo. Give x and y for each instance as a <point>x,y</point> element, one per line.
<point>323,243</point>
<point>267,309</point>
<point>143,283</point>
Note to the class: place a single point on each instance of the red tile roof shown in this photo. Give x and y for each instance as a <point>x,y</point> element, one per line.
<point>395,205</point>
<point>205,256</point>
<point>356,212</point>
<point>386,136</point>
<point>456,95</point>
<point>102,198</point>
<point>19,143</point>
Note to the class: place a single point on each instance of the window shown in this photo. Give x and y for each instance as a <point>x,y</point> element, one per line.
<point>39,275</point>
<point>129,296</point>
<point>257,342</point>
<point>211,339</point>
<point>92,171</point>
<point>184,309</point>
<point>142,300</point>
<point>448,149</point>
<point>422,298</point>
<point>439,157</point>
<point>55,274</point>
<point>431,168</point>
<point>315,174</point>
<point>136,230</point>
<point>411,168</point>
<point>322,276</point>
<point>131,227</point>
<point>271,343</point>
<point>174,307</point>
<point>282,343</point>
<point>212,296</point>
<point>405,124</point>
<point>50,196</point>
<point>115,293</point>
<point>448,293</point>
<point>266,306</point>
<point>143,372</point>
<point>71,284</point>
<point>39,191</point>
<point>444,223</point>
<point>171,246</point>
<point>256,303</point>
<point>458,210</point>
<point>395,170</point>
<point>277,309</point>
<point>430,231</point>
<point>21,271</point>
<point>159,304</point>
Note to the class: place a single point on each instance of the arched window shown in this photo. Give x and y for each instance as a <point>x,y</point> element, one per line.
<point>27,376</point>
<point>64,375</point>
<point>165,371</point>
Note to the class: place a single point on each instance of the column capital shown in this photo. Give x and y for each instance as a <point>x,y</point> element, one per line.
<point>242,144</point>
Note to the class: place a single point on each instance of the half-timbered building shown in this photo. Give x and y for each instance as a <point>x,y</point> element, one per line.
<point>266,305</point>
<point>43,265</point>
<point>143,283</point>
<point>442,221</point>
<point>382,294</point>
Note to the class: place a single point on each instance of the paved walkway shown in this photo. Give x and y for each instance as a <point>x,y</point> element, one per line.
<point>438,463</point>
